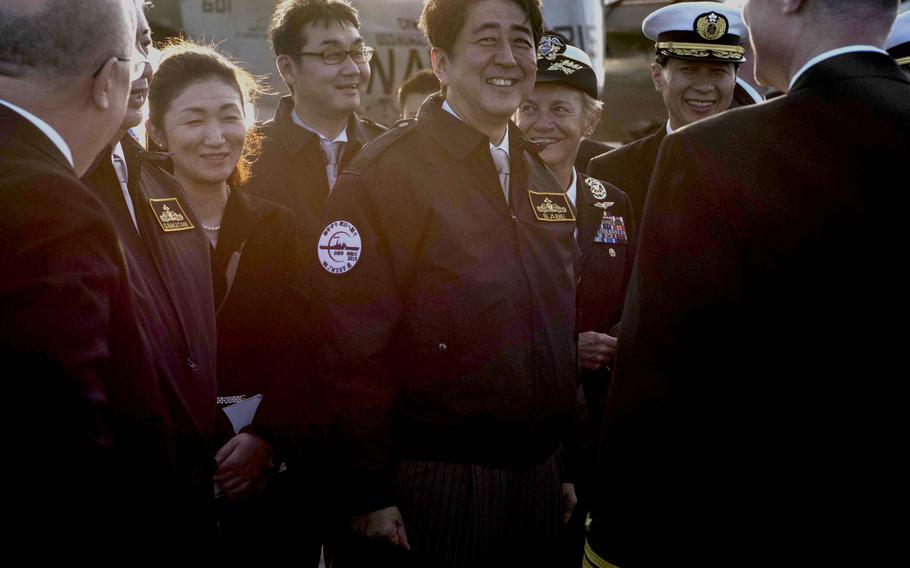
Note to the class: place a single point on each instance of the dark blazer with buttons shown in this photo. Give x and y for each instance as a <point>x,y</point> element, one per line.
<point>754,412</point>
<point>603,272</point>
<point>87,431</point>
<point>603,268</point>
<point>171,280</point>
<point>291,167</point>
<point>629,168</point>
<point>588,149</point>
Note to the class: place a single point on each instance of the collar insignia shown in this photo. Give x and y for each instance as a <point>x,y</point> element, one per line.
<point>566,66</point>
<point>597,189</point>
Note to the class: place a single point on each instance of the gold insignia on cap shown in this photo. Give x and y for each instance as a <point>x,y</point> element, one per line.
<point>731,52</point>
<point>170,215</point>
<point>550,46</point>
<point>597,188</point>
<point>566,66</point>
<point>552,207</point>
<point>711,26</point>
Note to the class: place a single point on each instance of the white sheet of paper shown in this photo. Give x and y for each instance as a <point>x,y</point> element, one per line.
<point>241,413</point>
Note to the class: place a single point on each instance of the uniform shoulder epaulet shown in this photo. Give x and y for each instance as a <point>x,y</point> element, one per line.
<point>380,144</point>
<point>372,125</point>
<point>405,122</point>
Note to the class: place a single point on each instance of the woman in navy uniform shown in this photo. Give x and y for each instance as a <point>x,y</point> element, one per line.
<point>197,101</point>
<point>558,115</point>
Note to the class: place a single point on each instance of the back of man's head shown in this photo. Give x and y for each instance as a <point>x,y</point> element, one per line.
<point>874,16</point>
<point>53,41</point>
<point>423,82</point>
<point>786,34</point>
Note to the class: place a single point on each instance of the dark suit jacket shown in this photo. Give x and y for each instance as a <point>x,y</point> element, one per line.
<point>604,268</point>
<point>171,281</point>
<point>87,433</point>
<point>587,150</point>
<point>261,320</point>
<point>629,168</point>
<point>291,168</point>
<point>754,409</point>
<point>603,274</point>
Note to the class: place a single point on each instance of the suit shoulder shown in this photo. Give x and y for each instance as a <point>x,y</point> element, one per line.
<point>381,145</point>
<point>50,203</point>
<point>621,154</point>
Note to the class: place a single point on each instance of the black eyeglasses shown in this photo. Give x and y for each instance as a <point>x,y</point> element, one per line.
<point>137,66</point>
<point>337,56</point>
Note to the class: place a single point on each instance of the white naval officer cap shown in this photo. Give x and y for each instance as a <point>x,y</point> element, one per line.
<point>898,44</point>
<point>699,31</point>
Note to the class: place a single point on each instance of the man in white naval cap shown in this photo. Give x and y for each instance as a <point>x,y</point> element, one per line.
<point>698,46</point>
<point>561,113</point>
<point>898,44</point>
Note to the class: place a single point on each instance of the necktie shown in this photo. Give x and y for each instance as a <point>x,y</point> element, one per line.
<point>332,152</point>
<point>501,159</point>
<point>122,177</point>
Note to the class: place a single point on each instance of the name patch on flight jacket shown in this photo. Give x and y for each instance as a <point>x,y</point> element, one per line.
<point>170,215</point>
<point>339,247</point>
<point>552,207</point>
<point>612,230</point>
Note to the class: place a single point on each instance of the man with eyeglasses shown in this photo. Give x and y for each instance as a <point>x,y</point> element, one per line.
<point>314,134</point>
<point>84,416</point>
<point>315,131</point>
<point>170,268</point>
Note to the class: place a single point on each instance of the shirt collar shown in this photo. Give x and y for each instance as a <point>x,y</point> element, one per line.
<point>669,128</point>
<point>503,144</point>
<point>118,151</point>
<point>342,136</point>
<point>46,128</point>
<point>750,90</point>
<point>572,190</point>
<point>833,53</point>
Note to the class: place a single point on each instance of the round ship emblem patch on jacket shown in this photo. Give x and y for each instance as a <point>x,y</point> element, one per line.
<point>339,247</point>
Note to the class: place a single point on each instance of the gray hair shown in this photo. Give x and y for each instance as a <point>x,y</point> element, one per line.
<point>62,38</point>
<point>592,107</point>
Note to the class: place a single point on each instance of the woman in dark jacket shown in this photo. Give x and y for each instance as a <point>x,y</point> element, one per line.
<point>197,114</point>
